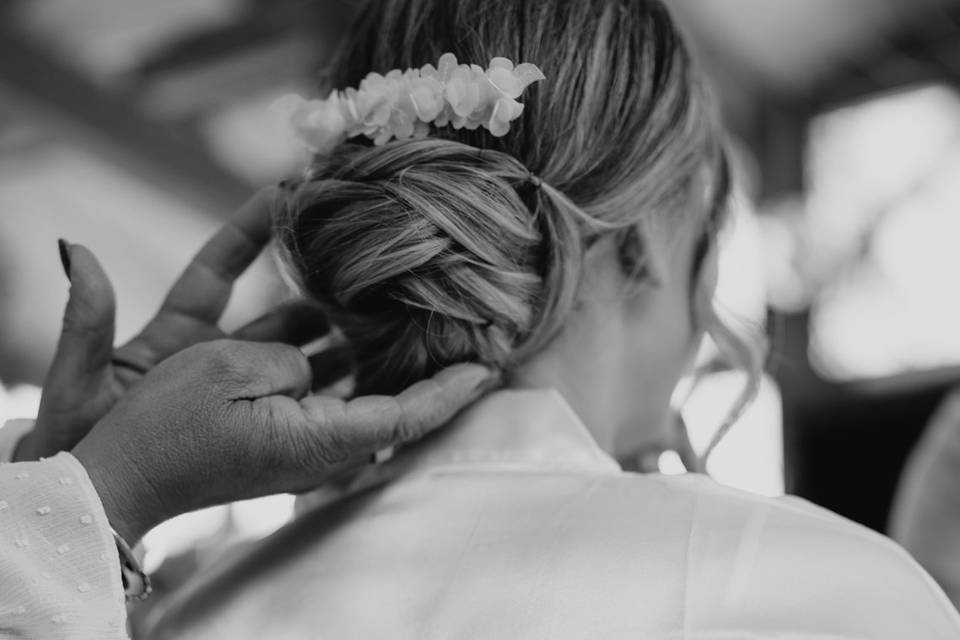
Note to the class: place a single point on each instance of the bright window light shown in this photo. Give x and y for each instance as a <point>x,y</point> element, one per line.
<point>750,457</point>
<point>669,463</point>
<point>182,534</point>
<point>22,401</point>
<point>260,517</point>
<point>741,288</point>
<point>741,297</point>
<point>215,529</point>
<point>880,236</point>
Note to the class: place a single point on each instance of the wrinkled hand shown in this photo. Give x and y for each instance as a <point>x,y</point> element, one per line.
<point>87,376</point>
<point>229,420</point>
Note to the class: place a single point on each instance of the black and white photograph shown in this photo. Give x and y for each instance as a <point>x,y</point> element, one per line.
<point>480,319</point>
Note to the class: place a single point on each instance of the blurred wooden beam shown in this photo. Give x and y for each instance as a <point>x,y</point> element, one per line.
<point>213,45</point>
<point>264,24</point>
<point>53,95</point>
<point>926,50</point>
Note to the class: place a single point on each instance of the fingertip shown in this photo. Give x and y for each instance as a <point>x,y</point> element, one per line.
<point>89,282</point>
<point>431,403</point>
<point>271,196</point>
<point>467,380</point>
<point>85,345</point>
<point>253,217</point>
<point>82,252</point>
<point>466,374</point>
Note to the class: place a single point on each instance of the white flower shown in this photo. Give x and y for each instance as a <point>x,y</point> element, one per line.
<point>318,124</point>
<point>402,104</point>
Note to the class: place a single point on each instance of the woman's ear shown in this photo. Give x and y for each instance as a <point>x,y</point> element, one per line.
<point>639,260</point>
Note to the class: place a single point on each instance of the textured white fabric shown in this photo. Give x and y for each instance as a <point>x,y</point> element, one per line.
<point>59,569</point>
<point>512,523</point>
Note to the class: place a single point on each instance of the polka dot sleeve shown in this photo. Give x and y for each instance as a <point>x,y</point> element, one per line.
<point>59,568</point>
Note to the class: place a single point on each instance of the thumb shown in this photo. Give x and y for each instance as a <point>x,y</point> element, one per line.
<point>258,369</point>
<point>86,340</point>
<point>370,423</point>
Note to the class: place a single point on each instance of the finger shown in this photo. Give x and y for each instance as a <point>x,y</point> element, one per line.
<point>86,340</point>
<point>431,403</point>
<point>203,289</point>
<point>259,369</point>
<point>295,323</point>
<point>370,423</point>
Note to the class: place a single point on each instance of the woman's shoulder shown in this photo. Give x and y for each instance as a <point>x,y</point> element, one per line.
<point>788,524</point>
<point>582,550</point>
<point>747,553</point>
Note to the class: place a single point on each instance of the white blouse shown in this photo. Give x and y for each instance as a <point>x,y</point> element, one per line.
<point>59,567</point>
<point>512,523</point>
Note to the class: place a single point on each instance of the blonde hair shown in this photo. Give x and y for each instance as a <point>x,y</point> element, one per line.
<point>444,249</point>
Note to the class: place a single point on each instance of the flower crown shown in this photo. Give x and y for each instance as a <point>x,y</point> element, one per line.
<point>403,104</point>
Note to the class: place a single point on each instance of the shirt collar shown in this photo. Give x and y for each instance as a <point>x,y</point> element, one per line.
<point>531,429</point>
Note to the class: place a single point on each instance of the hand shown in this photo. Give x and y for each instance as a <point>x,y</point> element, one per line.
<point>229,420</point>
<point>88,377</point>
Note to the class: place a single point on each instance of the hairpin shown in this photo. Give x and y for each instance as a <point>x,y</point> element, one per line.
<point>403,104</point>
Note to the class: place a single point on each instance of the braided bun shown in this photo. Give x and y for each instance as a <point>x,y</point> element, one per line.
<point>429,252</point>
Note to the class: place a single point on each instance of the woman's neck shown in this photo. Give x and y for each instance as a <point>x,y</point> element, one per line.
<point>583,365</point>
<point>592,397</point>
<point>622,349</point>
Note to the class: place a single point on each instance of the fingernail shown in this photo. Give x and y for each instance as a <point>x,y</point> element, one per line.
<point>65,256</point>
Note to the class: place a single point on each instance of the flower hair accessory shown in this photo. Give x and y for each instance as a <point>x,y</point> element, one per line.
<point>403,104</point>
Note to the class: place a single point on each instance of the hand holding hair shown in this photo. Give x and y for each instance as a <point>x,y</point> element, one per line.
<point>186,419</point>
<point>88,376</point>
<point>230,420</point>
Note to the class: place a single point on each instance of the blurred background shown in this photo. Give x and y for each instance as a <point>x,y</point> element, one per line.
<point>135,127</point>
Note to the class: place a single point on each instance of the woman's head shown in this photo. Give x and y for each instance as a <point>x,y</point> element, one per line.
<point>433,251</point>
